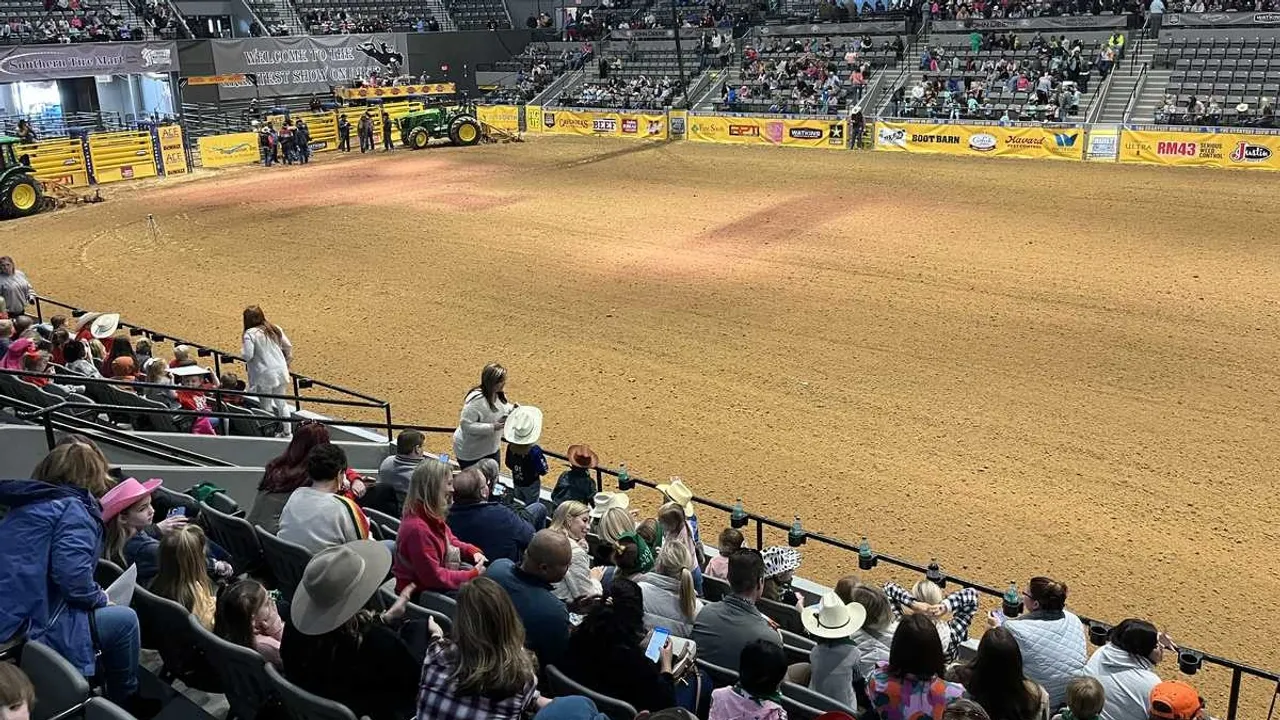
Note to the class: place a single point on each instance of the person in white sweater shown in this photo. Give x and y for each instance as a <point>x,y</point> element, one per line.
<point>669,598</point>
<point>484,412</point>
<point>316,516</point>
<point>267,353</point>
<point>1126,668</point>
<point>573,519</point>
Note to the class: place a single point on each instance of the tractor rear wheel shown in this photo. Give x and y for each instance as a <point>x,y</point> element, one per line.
<point>20,196</point>
<point>464,130</point>
<point>419,138</point>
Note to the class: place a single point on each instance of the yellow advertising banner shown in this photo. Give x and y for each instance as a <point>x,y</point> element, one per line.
<point>743,130</point>
<point>121,156</point>
<point>226,79</point>
<point>503,117</point>
<point>395,92</point>
<point>226,150</point>
<point>172,154</point>
<point>1200,149</point>
<point>1061,143</point>
<point>641,126</point>
<point>61,161</point>
<point>532,118</point>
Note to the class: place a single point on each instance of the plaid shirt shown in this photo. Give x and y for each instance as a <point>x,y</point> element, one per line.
<point>962,604</point>
<point>438,697</point>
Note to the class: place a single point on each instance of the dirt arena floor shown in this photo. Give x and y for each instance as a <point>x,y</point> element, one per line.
<point>1016,367</point>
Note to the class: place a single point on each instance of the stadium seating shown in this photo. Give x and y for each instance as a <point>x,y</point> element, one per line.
<point>59,685</point>
<point>480,14</point>
<point>1240,75</point>
<point>521,78</point>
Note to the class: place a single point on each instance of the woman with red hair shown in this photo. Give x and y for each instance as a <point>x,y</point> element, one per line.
<point>288,472</point>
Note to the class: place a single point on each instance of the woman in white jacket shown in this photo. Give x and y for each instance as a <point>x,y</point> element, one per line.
<point>669,598</point>
<point>484,412</point>
<point>267,353</point>
<point>573,518</point>
<point>1125,667</point>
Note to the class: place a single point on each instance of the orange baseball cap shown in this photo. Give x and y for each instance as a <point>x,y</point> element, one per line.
<point>1175,701</point>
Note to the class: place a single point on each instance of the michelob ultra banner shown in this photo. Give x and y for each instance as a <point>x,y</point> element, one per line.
<point>1061,143</point>
<point>503,117</point>
<point>644,126</point>
<point>225,150</point>
<point>1200,149</point>
<point>767,131</point>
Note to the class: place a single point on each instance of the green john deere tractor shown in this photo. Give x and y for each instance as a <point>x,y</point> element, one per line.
<point>20,192</point>
<point>459,124</point>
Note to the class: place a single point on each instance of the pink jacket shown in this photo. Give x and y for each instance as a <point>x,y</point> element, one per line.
<point>421,548</point>
<point>728,704</point>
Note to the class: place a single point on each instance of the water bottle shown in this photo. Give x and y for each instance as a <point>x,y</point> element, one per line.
<point>866,558</point>
<point>1012,600</point>
<point>738,518</point>
<point>625,482</point>
<point>796,536</point>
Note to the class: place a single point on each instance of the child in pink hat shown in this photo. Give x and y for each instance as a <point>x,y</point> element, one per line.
<point>132,538</point>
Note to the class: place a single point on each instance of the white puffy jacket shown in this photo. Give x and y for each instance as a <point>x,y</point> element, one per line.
<point>1127,679</point>
<point>662,605</point>
<point>1054,649</point>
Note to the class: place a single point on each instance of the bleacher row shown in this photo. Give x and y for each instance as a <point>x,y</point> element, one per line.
<point>1230,70</point>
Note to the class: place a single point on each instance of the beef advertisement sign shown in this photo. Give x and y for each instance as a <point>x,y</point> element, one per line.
<point>303,65</point>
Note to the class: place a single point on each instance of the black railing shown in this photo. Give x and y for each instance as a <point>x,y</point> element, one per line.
<point>220,358</point>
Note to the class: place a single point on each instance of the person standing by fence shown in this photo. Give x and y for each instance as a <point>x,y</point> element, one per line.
<point>302,138</point>
<point>386,131</point>
<point>267,354</point>
<point>365,129</point>
<point>344,134</point>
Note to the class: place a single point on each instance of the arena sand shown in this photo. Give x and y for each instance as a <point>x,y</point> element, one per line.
<point>1016,367</point>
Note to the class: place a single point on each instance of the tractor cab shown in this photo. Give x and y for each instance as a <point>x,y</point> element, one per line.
<point>20,192</point>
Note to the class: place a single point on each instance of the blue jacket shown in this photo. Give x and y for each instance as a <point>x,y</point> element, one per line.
<point>545,618</point>
<point>48,583</point>
<point>491,526</point>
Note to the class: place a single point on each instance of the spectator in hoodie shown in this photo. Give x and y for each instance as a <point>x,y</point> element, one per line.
<point>1126,668</point>
<point>428,554</point>
<point>1051,638</point>
<point>670,600</point>
<point>493,527</point>
<point>397,470</point>
<point>284,474</point>
<point>484,412</point>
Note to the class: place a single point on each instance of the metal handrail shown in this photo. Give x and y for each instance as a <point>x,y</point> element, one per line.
<point>1099,98</point>
<point>1137,93</point>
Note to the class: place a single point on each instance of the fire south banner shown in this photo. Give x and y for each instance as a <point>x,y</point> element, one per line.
<point>303,65</point>
<point>1200,149</point>
<point>744,130</point>
<point>1055,143</point>
<point>603,123</point>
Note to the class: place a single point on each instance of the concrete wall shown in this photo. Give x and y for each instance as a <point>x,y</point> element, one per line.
<point>22,447</point>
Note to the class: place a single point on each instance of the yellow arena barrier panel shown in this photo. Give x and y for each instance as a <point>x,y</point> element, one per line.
<point>503,117</point>
<point>61,161</point>
<point>121,156</point>
<point>638,125</point>
<point>226,150</point>
<point>533,118</point>
<point>1054,143</point>
<point>1175,148</point>
<point>783,132</point>
<point>172,153</point>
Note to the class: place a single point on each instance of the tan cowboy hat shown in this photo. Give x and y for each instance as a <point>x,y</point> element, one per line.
<point>679,494</point>
<point>101,325</point>
<point>833,619</point>
<point>336,585</point>
<point>602,502</point>
<point>523,426</point>
<point>581,456</point>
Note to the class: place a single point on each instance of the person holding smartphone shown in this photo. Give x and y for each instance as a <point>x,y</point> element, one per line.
<point>484,414</point>
<point>1126,668</point>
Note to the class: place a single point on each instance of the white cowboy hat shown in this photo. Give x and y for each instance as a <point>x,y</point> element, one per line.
<point>779,560</point>
<point>336,585</point>
<point>832,618</point>
<point>602,502</point>
<point>1242,107</point>
<point>679,494</point>
<point>101,325</point>
<point>524,425</point>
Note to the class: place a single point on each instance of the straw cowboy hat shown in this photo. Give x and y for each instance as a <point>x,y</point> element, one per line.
<point>123,496</point>
<point>679,494</point>
<point>337,583</point>
<point>779,560</point>
<point>833,619</point>
<point>101,325</point>
<point>524,425</point>
<point>581,456</point>
<point>603,502</point>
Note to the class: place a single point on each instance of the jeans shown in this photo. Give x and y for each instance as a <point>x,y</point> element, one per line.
<point>119,640</point>
<point>528,495</point>
<point>464,464</point>
<point>537,515</point>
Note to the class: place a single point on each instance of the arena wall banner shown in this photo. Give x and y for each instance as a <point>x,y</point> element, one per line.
<point>503,117</point>
<point>1103,143</point>
<point>1057,143</point>
<point>61,160</point>
<point>533,118</point>
<point>605,123</point>
<point>1200,149</point>
<point>678,120</point>
<point>748,130</point>
<point>1221,19</point>
<point>304,64</point>
<point>1048,22</point>
<point>226,150</point>
<point>171,150</point>
<point>25,63</point>
<point>118,156</point>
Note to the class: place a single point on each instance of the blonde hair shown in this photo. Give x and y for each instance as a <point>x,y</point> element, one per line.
<point>489,637</point>
<point>156,369</point>
<point>118,535</point>
<point>182,576</point>
<point>614,523</point>
<point>75,464</point>
<point>429,489</point>
<point>674,561</point>
<point>927,592</point>
<point>97,350</point>
<point>568,510</point>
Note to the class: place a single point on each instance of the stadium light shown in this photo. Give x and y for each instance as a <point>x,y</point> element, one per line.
<point>796,535</point>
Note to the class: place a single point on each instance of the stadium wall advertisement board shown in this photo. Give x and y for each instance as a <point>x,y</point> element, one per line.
<point>603,123</point>
<point>303,65</point>
<point>227,150</point>
<point>1200,149</point>
<point>173,154</point>
<point>744,130</point>
<point>503,117</point>
<point>26,63</point>
<point>1054,143</point>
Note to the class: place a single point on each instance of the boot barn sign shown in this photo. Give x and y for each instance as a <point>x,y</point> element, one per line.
<point>275,67</point>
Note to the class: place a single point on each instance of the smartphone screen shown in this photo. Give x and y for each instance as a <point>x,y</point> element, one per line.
<point>659,638</point>
<point>175,511</point>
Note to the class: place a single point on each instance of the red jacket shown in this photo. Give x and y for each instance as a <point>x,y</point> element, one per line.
<point>421,547</point>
